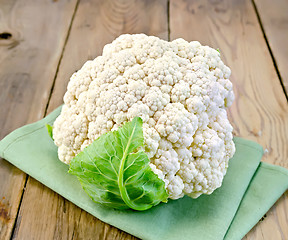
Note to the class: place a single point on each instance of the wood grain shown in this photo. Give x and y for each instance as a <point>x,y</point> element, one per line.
<point>95,24</point>
<point>274,18</point>
<point>29,53</point>
<point>260,110</point>
<point>100,22</point>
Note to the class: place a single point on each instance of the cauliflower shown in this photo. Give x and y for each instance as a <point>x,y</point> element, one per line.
<point>180,90</point>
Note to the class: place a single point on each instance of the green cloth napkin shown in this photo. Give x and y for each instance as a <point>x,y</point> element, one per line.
<point>249,189</point>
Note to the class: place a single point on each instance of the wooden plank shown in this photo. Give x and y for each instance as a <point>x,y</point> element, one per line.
<point>31,42</point>
<point>96,23</point>
<point>274,18</point>
<point>107,20</point>
<point>260,110</point>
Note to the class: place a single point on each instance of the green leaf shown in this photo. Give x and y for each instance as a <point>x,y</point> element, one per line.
<point>114,173</point>
<point>50,130</point>
<point>218,50</point>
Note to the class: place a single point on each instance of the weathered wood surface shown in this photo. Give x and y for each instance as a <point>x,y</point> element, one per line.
<point>32,36</point>
<point>44,50</point>
<point>274,20</point>
<point>95,24</point>
<point>260,110</point>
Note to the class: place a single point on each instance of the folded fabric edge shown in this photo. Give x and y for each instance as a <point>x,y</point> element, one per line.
<point>245,209</point>
<point>276,168</point>
<point>25,130</point>
<point>249,143</point>
<point>228,230</point>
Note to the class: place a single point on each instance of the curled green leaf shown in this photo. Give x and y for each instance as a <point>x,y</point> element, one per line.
<point>114,173</point>
<point>50,130</point>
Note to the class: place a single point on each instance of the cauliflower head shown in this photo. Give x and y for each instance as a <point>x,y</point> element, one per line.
<point>180,89</point>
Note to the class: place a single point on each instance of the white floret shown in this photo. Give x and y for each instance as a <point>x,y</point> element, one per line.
<point>167,161</point>
<point>152,139</point>
<point>138,109</point>
<point>70,131</point>
<point>155,100</point>
<point>175,187</point>
<point>177,124</point>
<point>180,92</point>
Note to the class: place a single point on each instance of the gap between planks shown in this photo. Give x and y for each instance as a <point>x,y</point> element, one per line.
<point>16,222</point>
<point>168,19</point>
<point>269,48</point>
<point>60,59</point>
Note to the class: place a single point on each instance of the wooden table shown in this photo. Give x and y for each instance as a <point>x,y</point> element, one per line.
<point>43,42</point>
